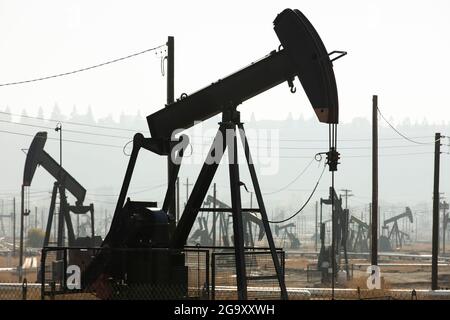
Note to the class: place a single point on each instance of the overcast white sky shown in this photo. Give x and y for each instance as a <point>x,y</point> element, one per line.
<point>397,49</point>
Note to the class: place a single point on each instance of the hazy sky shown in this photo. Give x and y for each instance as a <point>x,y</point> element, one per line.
<point>397,49</point>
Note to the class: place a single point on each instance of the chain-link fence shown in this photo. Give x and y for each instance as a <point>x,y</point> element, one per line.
<point>125,274</point>
<point>205,273</point>
<point>261,276</point>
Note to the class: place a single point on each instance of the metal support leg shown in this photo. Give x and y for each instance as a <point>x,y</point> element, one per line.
<point>64,206</point>
<point>238,227</point>
<point>263,212</point>
<point>137,144</point>
<point>51,212</point>
<point>199,191</point>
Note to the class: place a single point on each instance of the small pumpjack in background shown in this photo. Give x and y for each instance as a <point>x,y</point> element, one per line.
<point>37,156</point>
<point>144,245</point>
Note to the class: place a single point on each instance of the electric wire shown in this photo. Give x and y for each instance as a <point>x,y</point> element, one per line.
<point>281,157</point>
<point>65,140</point>
<point>401,134</point>
<point>305,204</point>
<point>82,69</point>
<point>294,180</point>
<point>67,122</point>
<point>66,130</point>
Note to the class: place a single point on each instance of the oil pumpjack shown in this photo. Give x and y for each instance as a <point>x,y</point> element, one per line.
<point>143,225</point>
<point>395,238</point>
<point>249,220</point>
<point>37,156</point>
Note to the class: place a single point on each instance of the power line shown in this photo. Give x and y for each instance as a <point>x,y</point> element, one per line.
<point>321,140</point>
<point>66,140</point>
<point>319,148</point>
<point>193,136</point>
<point>68,122</point>
<point>294,180</point>
<point>401,134</point>
<point>345,156</point>
<point>135,192</point>
<point>285,140</point>
<point>305,204</point>
<point>281,157</point>
<point>259,147</point>
<point>67,130</point>
<point>82,69</point>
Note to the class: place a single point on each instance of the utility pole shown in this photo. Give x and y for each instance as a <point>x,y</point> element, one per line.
<point>374,241</point>
<point>347,194</point>
<point>170,100</point>
<point>315,226</point>
<point>445,206</point>
<point>435,237</point>
<point>42,218</point>
<point>35,217</point>
<point>14,226</point>
<point>59,129</point>
<point>22,214</point>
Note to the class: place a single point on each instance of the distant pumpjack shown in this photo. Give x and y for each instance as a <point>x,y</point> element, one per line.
<point>248,218</point>
<point>293,239</point>
<point>136,224</point>
<point>36,156</point>
<point>358,240</point>
<point>395,238</point>
<point>340,234</point>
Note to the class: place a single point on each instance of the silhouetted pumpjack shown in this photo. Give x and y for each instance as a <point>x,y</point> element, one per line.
<point>36,155</point>
<point>340,224</point>
<point>293,239</point>
<point>140,225</point>
<point>248,218</point>
<point>395,237</point>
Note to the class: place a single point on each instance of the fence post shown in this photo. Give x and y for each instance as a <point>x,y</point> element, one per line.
<point>207,274</point>
<point>64,275</point>
<point>24,289</point>
<point>213,276</point>
<point>43,257</point>
<point>52,290</point>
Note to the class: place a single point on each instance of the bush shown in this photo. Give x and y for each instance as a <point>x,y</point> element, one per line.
<point>35,238</point>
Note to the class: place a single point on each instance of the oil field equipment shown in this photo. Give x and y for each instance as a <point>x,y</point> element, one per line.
<point>444,206</point>
<point>359,232</point>
<point>224,219</point>
<point>36,156</point>
<point>340,223</point>
<point>202,235</point>
<point>143,225</point>
<point>395,237</point>
<point>293,239</point>
<point>248,218</point>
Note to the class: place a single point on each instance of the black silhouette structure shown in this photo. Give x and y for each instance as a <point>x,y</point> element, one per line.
<point>395,237</point>
<point>36,156</point>
<point>141,225</point>
<point>340,223</point>
<point>249,220</point>
<point>359,232</point>
<point>287,233</point>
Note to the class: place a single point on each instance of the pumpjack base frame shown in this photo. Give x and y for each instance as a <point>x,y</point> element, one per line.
<point>226,137</point>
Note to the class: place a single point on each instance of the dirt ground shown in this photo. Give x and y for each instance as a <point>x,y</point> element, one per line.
<point>13,276</point>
